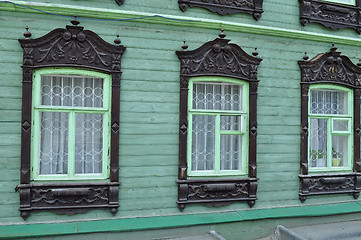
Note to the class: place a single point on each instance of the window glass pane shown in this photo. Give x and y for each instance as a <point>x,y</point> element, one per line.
<point>231,152</point>
<point>53,153</point>
<point>217,96</point>
<point>71,90</point>
<point>232,123</point>
<point>88,143</point>
<point>339,151</point>
<point>318,142</point>
<point>340,125</point>
<point>328,102</point>
<point>203,142</point>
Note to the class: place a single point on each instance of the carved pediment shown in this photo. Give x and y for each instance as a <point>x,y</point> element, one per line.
<point>71,46</point>
<point>331,67</point>
<point>219,58</point>
<point>223,7</point>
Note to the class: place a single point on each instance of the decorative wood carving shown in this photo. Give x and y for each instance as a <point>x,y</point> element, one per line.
<point>330,68</point>
<point>222,7</point>
<point>217,58</point>
<point>69,47</point>
<point>119,2</point>
<point>321,184</point>
<point>331,15</point>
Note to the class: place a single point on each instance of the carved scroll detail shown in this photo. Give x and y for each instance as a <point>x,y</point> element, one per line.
<point>223,7</point>
<point>331,15</point>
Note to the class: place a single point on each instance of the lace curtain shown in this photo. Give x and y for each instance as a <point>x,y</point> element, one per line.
<point>328,107</point>
<point>83,93</point>
<point>214,97</point>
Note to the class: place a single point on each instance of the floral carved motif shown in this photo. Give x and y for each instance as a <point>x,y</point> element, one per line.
<point>214,192</point>
<point>332,68</point>
<point>44,197</point>
<point>72,46</point>
<point>218,57</point>
<point>223,191</point>
<point>329,184</point>
<point>223,7</point>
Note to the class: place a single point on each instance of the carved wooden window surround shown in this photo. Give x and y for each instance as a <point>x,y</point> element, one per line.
<point>71,47</point>
<point>253,7</point>
<point>331,14</point>
<point>217,58</point>
<point>333,69</point>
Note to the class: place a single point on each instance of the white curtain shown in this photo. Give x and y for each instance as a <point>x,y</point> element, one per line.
<point>323,103</point>
<point>73,91</point>
<point>216,96</point>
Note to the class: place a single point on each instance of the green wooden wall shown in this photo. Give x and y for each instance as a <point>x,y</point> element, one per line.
<point>150,102</point>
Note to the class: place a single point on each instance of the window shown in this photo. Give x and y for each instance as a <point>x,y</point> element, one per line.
<point>218,139</point>
<point>70,122</point>
<point>330,126</point>
<point>330,122</point>
<point>71,114</point>
<point>217,125</point>
<point>334,14</point>
<point>349,2</point>
<point>253,7</point>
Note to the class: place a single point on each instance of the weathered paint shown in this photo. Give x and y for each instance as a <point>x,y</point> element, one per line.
<point>149,116</point>
<point>151,223</point>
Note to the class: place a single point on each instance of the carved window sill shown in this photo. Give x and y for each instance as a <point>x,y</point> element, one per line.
<point>253,7</point>
<point>331,15</point>
<point>68,198</point>
<point>321,184</point>
<point>216,192</point>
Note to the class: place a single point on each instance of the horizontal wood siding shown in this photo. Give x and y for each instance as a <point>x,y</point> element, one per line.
<point>149,105</point>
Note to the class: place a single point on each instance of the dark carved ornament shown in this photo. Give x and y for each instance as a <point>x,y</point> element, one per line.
<point>69,47</point>
<point>320,184</point>
<point>329,68</point>
<point>119,2</point>
<point>331,15</point>
<point>222,7</point>
<point>217,58</point>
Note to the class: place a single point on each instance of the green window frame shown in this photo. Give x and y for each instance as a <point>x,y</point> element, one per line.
<point>332,156</point>
<point>243,114</point>
<point>72,112</point>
